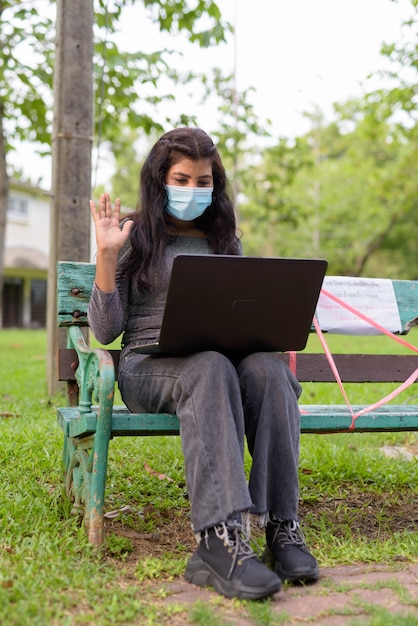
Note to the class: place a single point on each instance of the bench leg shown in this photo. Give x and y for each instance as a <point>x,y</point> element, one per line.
<point>86,457</point>
<point>94,512</point>
<point>76,475</point>
<point>85,479</point>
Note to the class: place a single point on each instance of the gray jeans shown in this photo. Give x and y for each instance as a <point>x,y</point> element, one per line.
<point>218,403</point>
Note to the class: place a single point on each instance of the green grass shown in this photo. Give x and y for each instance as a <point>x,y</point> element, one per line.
<point>49,574</point>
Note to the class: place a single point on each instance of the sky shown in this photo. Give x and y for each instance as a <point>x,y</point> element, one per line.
<point>296,54</point>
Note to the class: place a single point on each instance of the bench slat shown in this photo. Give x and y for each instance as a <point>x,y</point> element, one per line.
<point>314,419</point>
<point>337,418</point>
<point>124,423</point>
<point>74,283</point>
<point>406,292</point>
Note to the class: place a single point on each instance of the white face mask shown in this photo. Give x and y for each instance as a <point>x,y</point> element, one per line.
<point>188,203</point>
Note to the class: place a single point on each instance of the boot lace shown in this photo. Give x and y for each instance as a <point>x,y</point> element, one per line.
<point>289,533</point>
<point>238,543</point>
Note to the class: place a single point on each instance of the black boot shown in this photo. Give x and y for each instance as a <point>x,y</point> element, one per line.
<point>225,560</point>
<point>286,552</point>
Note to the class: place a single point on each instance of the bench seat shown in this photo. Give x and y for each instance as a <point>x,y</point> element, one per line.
<point>315,418</point>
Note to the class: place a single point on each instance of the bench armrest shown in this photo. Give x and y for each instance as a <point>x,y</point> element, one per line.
<point>95,373</point>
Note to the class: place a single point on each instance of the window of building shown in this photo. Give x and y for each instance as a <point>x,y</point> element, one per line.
<point>18,206</point>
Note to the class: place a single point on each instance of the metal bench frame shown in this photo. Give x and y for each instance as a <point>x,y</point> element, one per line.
<point>91,420</point>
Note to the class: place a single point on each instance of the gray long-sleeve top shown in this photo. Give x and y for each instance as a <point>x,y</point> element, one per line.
<point>138,317</point>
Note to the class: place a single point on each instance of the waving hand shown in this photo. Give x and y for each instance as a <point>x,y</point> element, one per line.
<point>110,239</point>
<point>109,236</point>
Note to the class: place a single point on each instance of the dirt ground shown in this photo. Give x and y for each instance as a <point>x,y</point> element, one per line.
<point>370,516</point>
<point>346,595</point>
<point>342,596</point>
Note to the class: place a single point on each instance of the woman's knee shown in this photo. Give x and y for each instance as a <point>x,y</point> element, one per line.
<point>211,363</point>
<point>266,367</point>
<point>264,363</point>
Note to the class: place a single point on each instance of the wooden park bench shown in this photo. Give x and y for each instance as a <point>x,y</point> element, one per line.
<point>90,420</point>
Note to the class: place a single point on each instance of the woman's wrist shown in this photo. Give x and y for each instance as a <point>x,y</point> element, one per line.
<point>107,254</point>
<point>106,270</point>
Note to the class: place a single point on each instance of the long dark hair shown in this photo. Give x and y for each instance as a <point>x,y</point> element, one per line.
<point>150,232</point>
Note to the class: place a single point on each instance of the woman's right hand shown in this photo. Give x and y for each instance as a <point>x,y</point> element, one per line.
<point>109,236</point>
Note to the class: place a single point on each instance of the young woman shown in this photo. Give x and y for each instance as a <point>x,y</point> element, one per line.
<point>185,208</point>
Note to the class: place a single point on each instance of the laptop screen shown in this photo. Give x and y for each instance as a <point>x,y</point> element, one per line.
<point>240,304</point>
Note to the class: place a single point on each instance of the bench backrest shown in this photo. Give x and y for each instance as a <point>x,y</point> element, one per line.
<point>75,281</point>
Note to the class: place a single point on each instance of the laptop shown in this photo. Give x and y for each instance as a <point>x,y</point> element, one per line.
<point>238,304</point>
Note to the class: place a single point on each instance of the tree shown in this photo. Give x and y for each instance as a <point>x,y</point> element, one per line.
<point>239,127</point>
<point>344,191</point>
<point>348,189</point>
<point>26,71</point>
<point>270,208</point>
<point>25,88</point>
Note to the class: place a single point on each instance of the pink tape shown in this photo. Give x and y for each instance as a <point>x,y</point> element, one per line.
<point>292,362</point>
<point>412,378</point>
<point>369,320</point>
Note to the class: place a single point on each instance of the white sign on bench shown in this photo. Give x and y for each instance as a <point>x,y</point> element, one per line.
<point>374,297</point>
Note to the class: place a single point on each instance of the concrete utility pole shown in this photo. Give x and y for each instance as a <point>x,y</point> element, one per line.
<point>71,154</point>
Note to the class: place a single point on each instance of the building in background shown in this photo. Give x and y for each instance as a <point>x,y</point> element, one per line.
<point>27,256</point>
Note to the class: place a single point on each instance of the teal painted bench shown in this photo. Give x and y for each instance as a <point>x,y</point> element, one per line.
<point>90,420</point>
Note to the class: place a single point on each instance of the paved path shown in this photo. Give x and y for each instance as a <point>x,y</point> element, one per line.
<point>343,596</point>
